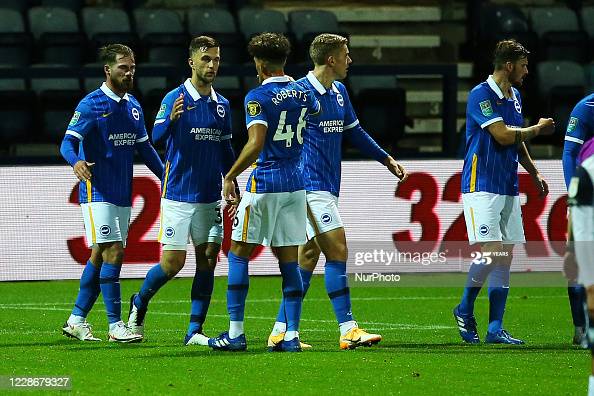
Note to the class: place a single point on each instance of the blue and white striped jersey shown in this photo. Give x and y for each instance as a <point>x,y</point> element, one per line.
<point>580,129</point>
<point>282,106</point>
<point>108,127</point>
<point>488,165</point>
<point>193,160</point>
<point>322,146</point>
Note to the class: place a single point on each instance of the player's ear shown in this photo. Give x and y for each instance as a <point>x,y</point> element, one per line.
<point>191,63</point>
<point>107,70</point>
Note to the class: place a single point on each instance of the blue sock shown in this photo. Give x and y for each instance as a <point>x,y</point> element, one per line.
<point>337,287</point>
<point>154,280</point>
<point>474,282</point>
<point>110,287</point>
<point>88,291</point>
<point>305,280</point>
<point>292,294</point>
<point>201,292</point>
<point>498,291</point>
<point>577,295</point>
<point>237,286</point>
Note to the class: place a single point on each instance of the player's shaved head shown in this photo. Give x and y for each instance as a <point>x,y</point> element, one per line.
<point>271,48</point>
<point>325,45</point>
<point>202,43</point>
<point>508,51</point>
<point>109,54</point>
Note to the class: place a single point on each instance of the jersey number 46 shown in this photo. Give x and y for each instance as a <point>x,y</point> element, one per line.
<point>287,136</point>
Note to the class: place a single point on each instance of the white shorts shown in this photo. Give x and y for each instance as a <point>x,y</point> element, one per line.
<point>271,219</point>
<point>182,220</point>
<point>105,222</point>
<point>322,213</point>
<point>493,217</point>
<point>583,235</point>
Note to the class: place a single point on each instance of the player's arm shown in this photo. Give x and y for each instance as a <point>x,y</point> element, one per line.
<point>78,127</point>
<point>146,149</point>
<point>227,153</point>
<point>249,154</point>
<point>527,163</point>
<point>170,111</point>
<point>507,136</point>
<point>578,131</point>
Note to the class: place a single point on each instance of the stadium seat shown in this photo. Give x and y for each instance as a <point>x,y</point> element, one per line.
<point>360,83</point>
<point>15,43</point>
<point>257,20</point>
<point>92,76</point>
<point>561,86</point>
<point>162,36</point>
<point>16,104</point>
<point>560,35</point>
<point>307,24</point>
<point>16,5</point>
<point>589,73</point>
<point>57,98</point>
<point>218,23</point>
<point>72,5</point>
<point>107,25</point>
<point>57,34</point>
<point>152,82</point>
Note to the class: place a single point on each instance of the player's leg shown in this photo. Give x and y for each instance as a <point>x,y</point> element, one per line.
<point>512,232</point>
<point>247,233</point>
<point>590,331</point>
<point>76,326</point>
<point>577,297</point>
<point>174,232</point>
<point>207,235</point>
<point>308,256</point>
<point>482,213</point>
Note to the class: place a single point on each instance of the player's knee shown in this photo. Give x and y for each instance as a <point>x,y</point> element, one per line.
<point>210,257</point>
<point>309,256</point>
<point>172,264</point>
<point>113,254</point>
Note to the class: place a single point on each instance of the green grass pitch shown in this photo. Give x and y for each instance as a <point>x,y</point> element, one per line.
<point>421,352</point>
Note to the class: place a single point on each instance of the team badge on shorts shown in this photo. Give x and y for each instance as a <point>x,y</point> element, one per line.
<point>253,108</point>
<point>221,111</point>
<point>169,232</point>
<point>484,229</point>
<point>326,218</point>
<point>105,230</point>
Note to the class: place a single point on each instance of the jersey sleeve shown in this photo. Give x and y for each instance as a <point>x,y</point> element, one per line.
<point>227,122</point>
<point>579,126</point>
<point>82,121</point>
<point>481,109</point>
<point>162,121</point>
<point>254,111</point>
<point>350,117</point>
<point>141,133</point>
<point>313,104</point>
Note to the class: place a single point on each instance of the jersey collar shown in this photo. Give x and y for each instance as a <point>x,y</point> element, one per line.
<point>277,79</point>
<point>110,94</point>
<point>313,80</point>
<point>194,93</point>
<point>493,85</point>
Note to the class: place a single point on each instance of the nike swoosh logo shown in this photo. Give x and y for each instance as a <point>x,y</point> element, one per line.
<point>106,115</point>
<point>190,107</point>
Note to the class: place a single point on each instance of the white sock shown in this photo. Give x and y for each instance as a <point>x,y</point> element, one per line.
<point>591,386</point>
<point>289,335</point>
<point>346,327</point>
<point>235,329</point>
<point>75,319</point>
<point>279,327</point>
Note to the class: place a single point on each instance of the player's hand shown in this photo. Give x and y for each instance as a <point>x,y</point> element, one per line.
<point>396,169</point>
<point>570,269</point>
<point>82,170</point>
<point>178,108</point>
<point>230,193</point>
<point>547,126</point>
<point>541,185</point>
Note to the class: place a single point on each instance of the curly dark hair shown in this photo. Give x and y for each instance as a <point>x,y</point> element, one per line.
<point>273,48</point>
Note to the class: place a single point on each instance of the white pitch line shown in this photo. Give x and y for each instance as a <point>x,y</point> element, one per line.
<point>391,326</point>
<point>276,300</point>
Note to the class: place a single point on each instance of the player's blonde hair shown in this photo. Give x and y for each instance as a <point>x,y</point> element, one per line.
<point>325,45</point>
